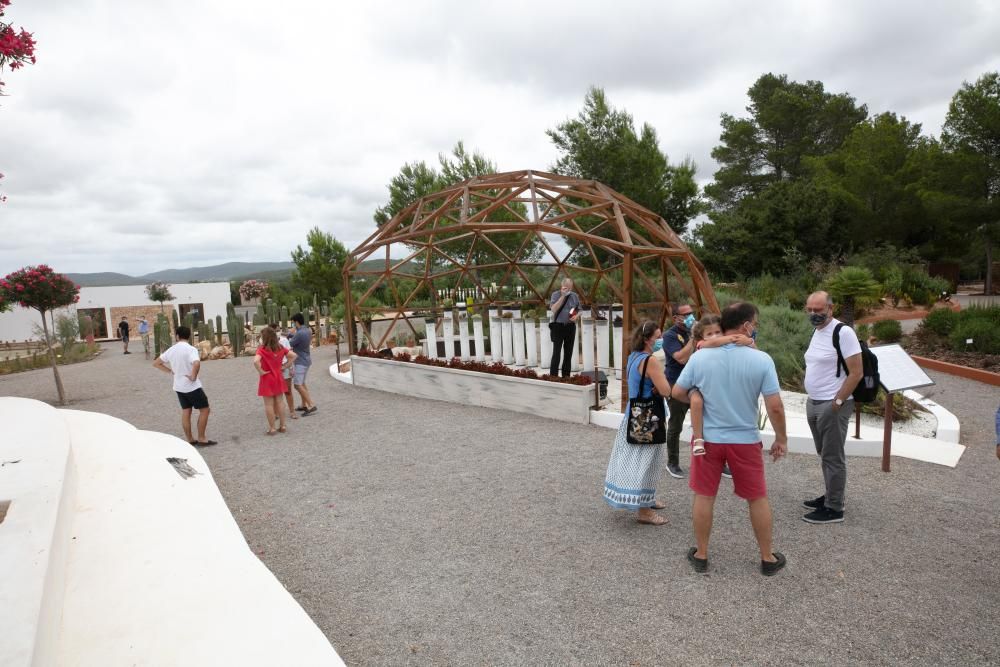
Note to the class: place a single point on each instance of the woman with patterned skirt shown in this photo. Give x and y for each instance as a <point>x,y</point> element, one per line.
<point>634,470</point>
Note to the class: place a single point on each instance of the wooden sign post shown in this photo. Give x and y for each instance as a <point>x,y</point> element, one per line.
<point>897,372</point>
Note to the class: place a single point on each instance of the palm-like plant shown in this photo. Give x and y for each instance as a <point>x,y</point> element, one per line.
<point>852,283</point>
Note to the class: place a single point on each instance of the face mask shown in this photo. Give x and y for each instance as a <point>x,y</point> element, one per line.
<point>689,320</point>
<point>658,345</point>
<point>817,318</point>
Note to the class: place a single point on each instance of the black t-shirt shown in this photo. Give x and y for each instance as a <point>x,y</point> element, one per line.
<point>123,328</point>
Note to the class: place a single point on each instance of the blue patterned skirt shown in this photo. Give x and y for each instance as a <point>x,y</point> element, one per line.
<point>633,472</point>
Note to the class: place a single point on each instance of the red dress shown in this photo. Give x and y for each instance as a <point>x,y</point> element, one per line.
<point>271,384</point>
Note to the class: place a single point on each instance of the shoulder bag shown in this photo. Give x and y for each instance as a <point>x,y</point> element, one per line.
<point>646,416</point>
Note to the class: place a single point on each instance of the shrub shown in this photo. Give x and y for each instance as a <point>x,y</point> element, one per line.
<point>864,332</point>
<point>888,331</point>
<point>784,334</point>
<point>985,335</point>
<point>941,321</point>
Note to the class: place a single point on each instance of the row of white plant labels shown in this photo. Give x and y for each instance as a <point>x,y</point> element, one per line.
<point>525,342</point>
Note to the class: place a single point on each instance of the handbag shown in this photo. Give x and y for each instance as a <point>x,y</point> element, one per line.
<point>646,417</point>
<point>555,326</point>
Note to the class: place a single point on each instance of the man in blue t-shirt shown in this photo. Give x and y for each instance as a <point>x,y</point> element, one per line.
<point>300,342</point>
<point>731,379</point>
<point>677,349</point>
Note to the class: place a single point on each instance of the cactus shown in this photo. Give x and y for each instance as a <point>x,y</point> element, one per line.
<point>234,327</point>
<point>283,316</point>
<point>324,308</point>
<point>173,318</point>
<point>295,308</point>
<point>218,329</point>
<point>161,334</point>
<point>189,321</point>
<point>258,319</point>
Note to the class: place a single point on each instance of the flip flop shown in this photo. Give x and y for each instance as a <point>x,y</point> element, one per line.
<point>700,565</point>
<point>192,442</point>
<point>281,429</point>
<point>271,432</point>
<point>656,520</point>
<point>657,505</point>
<point>204,444</point>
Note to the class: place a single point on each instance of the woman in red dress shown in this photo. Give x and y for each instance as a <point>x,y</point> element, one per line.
<point>269,361</point>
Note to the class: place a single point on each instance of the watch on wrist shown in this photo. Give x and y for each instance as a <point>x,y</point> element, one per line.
<point>838,401</point>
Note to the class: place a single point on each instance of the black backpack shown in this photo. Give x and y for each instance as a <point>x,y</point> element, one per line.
<point>867,389</point>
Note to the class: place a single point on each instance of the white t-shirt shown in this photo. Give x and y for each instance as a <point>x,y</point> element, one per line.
<point>181,358</point>
<point>822,383</point>
<point>283,342</point>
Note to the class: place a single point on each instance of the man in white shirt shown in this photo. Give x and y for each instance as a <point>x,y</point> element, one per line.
<point>183,361</point>
<point>830,404</point>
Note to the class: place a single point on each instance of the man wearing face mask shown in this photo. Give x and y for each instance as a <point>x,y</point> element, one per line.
<point>830,404</point>
<point>677,349</point>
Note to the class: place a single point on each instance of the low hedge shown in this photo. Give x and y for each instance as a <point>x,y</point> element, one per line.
<point>888,331</point>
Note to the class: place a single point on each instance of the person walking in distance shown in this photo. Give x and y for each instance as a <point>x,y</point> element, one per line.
<point>300,342</point>
<point>731,380</point>
<point>182,360</point>
<point>830,404</point>
<point>270,360</point>
<point>564,304</point>
<point>144,334</point>
<point>123,333</point>
<point>678,346</point>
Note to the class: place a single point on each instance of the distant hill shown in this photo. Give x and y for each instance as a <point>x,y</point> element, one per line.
<point>240,271</point>
<point>217,273</point>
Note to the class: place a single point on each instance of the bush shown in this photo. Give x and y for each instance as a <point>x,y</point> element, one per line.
<point>985,337</point>
<point>941,321</point>
<point>784,334</point>
<point>864,332</point>
<point>888,331</point>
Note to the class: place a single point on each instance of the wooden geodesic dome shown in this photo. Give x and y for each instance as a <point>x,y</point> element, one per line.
<point>510,238</point>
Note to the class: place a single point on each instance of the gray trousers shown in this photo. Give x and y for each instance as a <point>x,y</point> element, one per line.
<point>829,431</point>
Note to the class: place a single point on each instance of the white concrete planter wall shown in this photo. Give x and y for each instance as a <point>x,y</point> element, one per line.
<point>530,335</point>
<point>545,343</point>
<point>618,342</point>
<point>463,334</point>
<point>507,341</point>
<point>496,345</point>
<point>603,341</point>
<point>587,331</point>
<point>553,400</point>
<point>517,328</point>
<point>477,333</point>
<point>448,333</point>
<point>432,343</point>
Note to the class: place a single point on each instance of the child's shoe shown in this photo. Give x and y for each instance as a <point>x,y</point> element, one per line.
<point>698,447</point>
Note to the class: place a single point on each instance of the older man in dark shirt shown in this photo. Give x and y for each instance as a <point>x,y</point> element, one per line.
<point>564,305</point>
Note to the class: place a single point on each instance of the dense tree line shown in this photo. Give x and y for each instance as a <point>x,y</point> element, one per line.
<point>809,174</point>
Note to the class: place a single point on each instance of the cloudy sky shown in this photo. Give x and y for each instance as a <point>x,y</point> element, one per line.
<point>155,135</point>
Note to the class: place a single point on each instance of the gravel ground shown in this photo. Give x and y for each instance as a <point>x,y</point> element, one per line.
<point>418,532</point>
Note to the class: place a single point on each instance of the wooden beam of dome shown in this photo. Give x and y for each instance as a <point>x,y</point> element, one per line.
<point>611,238</point>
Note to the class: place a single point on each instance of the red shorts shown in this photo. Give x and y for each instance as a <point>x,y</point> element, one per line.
<point>745,461</point>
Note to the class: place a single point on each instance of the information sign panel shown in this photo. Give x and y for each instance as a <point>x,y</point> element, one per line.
<point>897,371</point>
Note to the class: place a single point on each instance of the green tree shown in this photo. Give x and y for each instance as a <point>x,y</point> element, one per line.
<point>852,284</point>
<point>417,179</point>
<point>875,173</point>
<point>41,288</point>
<point>773,231</point>
<point>159,291</point>
<point>318,269</point>
<point>601,143</point>
<point>972,132</point>
<point>788,122</point>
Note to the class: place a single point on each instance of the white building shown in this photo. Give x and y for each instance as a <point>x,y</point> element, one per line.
<point>107,305</point>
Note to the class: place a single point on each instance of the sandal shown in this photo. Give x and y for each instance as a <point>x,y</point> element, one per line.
<point>281,429</point>
<point>271,432</point>
<point>700,565</point>
<point>698,447</point>
<point>293,416</point>
<point>655,520</point>
<point>657,505</point>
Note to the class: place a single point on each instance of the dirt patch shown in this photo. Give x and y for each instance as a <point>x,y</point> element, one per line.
<point>903,313</point>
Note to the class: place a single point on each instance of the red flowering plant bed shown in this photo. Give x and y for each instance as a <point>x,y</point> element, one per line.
<point>495,368</point>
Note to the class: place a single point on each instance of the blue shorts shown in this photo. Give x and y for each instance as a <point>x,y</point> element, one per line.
<point>300,374</point>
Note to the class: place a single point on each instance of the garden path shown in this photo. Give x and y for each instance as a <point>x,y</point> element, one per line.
<point>421,532</point>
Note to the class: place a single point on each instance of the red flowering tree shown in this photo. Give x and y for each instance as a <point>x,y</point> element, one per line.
<point>17,47</point>
<point>43,289</point>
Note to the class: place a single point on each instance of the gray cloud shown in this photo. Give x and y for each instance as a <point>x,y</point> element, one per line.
<point>146,138</point>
